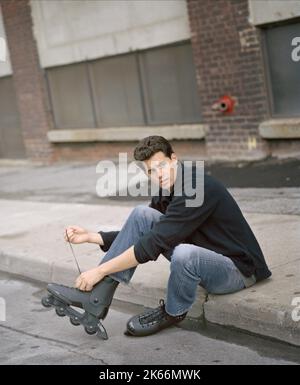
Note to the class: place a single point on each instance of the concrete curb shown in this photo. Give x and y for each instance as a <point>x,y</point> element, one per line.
<point>243,312</point>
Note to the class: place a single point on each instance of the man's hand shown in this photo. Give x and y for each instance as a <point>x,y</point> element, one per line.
<point>122,262</point>
<point>88,279</point>
<point>77,235</point>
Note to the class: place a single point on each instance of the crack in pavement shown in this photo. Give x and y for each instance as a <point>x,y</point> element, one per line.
<point>69,347</point>
<point>38,337</point>
<point>89,356</point>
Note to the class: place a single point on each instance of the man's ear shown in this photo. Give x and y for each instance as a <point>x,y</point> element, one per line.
<point>174,156</point>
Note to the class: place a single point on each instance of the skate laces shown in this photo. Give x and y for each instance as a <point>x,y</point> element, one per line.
<point>155,314</point>
<point>158,314</point>
<point>73,252</point>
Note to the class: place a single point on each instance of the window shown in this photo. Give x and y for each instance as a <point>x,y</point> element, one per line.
<point>156,86</point>
<point>283,72</point>
<point>9,116</point>
<point>169,85</point>
<point>71,97</point>
<point>11,140</point>
<point>116,91</point>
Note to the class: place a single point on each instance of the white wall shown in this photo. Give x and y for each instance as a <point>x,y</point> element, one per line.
<point>70,31</point>
<point>267,11</point>
<point>5,67</point>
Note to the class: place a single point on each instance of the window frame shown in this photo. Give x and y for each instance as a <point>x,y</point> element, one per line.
<point>266,67</point>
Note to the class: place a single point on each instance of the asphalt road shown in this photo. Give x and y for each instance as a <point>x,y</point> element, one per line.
<point>32,334</point>
<point>270,186</point>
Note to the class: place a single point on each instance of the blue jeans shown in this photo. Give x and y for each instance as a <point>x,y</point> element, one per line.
<point>190,265</point>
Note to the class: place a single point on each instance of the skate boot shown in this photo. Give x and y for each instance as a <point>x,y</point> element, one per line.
<point>152,321</point>
<point>95,304</point>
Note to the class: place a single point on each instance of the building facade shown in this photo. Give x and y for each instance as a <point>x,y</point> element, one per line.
<point>84,80</point>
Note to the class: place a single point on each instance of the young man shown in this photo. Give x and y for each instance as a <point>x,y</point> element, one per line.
<point>210,245</point>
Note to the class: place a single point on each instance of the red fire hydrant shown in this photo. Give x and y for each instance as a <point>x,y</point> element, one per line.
<point>225,104</point>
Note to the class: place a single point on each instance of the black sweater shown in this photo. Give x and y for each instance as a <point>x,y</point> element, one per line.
<point>217,224</point>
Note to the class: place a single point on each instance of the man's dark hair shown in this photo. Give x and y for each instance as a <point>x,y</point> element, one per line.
<point>151,145</point>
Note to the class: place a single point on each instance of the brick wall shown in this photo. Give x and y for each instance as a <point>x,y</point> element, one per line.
<point>29,81</point>
<point>228,59</point>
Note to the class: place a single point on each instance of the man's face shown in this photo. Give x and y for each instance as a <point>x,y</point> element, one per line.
<point>161,169</point>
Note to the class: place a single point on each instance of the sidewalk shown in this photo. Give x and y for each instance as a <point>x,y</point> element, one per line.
<point>32,245</point>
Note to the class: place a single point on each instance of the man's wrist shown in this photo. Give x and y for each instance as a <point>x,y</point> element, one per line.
<point>95,238</point>
<point>103,271</point>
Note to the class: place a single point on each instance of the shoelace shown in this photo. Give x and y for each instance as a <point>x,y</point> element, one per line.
<point>154,315</point>
<point>73,252</point>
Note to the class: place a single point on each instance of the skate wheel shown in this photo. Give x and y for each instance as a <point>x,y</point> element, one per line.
<point>46,301</point>
<point>74,321</point>
<point>60,311</point>
<point>90,330</point>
